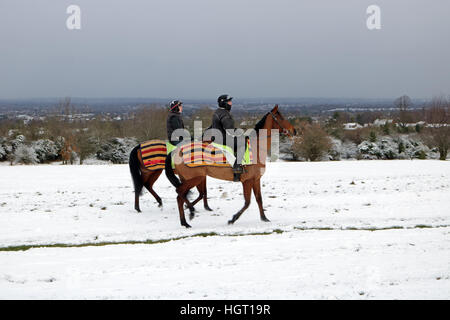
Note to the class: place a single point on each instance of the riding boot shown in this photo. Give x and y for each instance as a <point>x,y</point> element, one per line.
<point>238,169</point>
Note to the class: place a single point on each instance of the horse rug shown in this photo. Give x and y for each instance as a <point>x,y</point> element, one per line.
<point>197,154</point>
<point>154,153</point>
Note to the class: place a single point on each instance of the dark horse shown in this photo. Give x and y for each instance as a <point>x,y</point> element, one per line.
<point>194,176</point>
<point>144,177</point>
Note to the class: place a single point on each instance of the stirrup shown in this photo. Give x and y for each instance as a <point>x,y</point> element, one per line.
<point>238,169</point>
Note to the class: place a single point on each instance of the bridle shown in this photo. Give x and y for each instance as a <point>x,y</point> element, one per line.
<point>284,130</point>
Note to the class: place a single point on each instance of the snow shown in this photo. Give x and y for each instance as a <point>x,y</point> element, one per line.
<point>382,122</point>
<point>352,126</point>
<point>348,229</point>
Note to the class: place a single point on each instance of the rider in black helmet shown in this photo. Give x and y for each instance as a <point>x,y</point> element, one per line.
<point>174,120</point>
<point>223,121</point>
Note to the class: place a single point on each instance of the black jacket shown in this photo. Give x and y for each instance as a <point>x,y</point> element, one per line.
<point>174,121</point>
<point>222,120</point>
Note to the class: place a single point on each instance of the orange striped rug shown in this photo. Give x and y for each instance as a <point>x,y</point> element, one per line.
<point>154,153</point>
<point>198,154</point>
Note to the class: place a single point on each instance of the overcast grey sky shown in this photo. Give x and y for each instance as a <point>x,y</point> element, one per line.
<point>202,48</point>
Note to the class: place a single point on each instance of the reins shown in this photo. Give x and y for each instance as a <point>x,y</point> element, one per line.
<point>285,131</point>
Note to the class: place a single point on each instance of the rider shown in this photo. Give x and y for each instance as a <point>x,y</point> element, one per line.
<point>174,121</point>
<point>223,121</point>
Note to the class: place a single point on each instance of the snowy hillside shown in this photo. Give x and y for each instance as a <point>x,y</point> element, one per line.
<point>350,229</point>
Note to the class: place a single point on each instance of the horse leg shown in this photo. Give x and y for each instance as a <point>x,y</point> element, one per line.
<point>149,185</point>
<point>181,198</point>
<point>181,211</point>
<point>182,191</point>
<point>258,197</point>
<point>136,202</point>
<point>137,176</point>
<point>137,194</point>
<point>247,186</point>
<point>202,186</point>
<point>202,195</point>
<point>188,205</point>
<point>191,205</point>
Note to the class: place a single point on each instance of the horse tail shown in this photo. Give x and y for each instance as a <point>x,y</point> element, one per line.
<point>136,171</point>
<point>169,172</point>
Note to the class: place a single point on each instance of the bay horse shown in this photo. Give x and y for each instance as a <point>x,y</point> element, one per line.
<point>146,177</point>
<point>250,179</point>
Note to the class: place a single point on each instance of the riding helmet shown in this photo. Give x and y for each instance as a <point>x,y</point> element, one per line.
<point>222,101</point>
<point>175,105</point>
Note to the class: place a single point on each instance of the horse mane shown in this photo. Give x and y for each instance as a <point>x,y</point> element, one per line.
<point>261,122</point>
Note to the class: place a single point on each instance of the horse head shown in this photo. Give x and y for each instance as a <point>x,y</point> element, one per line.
<point>280,123</point>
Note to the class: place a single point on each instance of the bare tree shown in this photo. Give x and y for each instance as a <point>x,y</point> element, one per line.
<point>69,150</point>
<point>84,144</point>
<point>150,123</point>
<point>403,103</point>
<point>312,144</point>
<point>65,107</point>
<point>437,111</point>
<point>438,133</point>
<point>203,114</point>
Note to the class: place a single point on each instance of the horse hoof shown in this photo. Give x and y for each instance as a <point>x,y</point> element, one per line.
<point>191,216</point>
<point>186,225</point>
<point>138,210</point>
<point>230,222</point>
<point>208,208</point>
<point>265,220</point>
<point>160,205</point>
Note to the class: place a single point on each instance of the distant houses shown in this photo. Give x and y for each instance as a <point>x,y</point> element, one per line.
<point>352,126</point>
<point>383,122</point>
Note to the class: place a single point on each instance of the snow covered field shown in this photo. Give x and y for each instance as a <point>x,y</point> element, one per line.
<point>348,229</point>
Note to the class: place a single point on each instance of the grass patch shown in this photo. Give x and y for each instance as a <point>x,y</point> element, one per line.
<point>149,241</point>
<point>422,226</point>
<point>208,234</point>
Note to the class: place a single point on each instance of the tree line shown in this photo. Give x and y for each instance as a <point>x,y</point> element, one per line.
<point>62,137</point>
